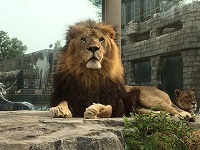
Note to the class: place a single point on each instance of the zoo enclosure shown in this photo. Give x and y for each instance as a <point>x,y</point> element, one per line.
<point>39,100</point>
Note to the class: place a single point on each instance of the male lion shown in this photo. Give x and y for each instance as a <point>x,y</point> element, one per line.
<point>88,79</point>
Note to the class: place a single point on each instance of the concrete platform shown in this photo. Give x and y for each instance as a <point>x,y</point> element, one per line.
<point>35,130</point>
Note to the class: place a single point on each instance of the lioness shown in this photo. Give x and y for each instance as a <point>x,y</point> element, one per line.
<point>186,100</point>
<point>88,80</point>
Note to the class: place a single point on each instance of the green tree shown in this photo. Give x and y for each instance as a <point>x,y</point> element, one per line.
<point>57,45</point>
<point>10,48</point>
<point>98,4</point>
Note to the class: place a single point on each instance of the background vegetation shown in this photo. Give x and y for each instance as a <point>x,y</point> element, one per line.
<point>10,47</point>
<point>159,132</point>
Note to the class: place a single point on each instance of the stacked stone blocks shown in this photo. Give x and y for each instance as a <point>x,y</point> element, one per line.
<point>183,37</point>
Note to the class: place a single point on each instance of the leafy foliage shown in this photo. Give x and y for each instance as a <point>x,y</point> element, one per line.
<point>98,4</point>
<point>10,48</point>
<point>157,131</point>
<point>57,45</point>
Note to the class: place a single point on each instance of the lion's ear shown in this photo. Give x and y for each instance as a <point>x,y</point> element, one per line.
<point>109,30</point>
<point>177,92</point>
<point>71,34</point>
<point>112,33</point>
<point>193,89</point>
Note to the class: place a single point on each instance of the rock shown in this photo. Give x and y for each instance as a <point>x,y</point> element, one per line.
<point>35,130</point>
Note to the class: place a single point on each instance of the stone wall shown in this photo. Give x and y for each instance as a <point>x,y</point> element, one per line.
<point>38,66</point>
<point>175,32</point>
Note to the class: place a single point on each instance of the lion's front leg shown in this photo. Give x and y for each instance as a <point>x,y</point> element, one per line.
<point>184,114</point>
<point>60,111</point>
<point>143,110</point>
<point>98,110</point>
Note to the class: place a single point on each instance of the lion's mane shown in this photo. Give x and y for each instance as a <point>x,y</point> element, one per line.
<point>80,86</point>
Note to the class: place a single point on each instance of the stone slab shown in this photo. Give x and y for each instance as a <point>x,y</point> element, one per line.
<point>36,130</point>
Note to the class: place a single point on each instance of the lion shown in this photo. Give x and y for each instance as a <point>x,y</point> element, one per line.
<point>186,100</point>
<point>88,71</point>
<point>89,78</point>
<point>153,100</point>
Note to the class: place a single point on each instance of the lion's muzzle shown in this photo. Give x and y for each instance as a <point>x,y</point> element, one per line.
<point>93,64</point>
<point>194,107</point>
<point>94,61</point>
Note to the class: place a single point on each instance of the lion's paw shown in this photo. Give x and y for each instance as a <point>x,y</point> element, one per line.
<point>185,115</point>
<point>98,110</point>
<point>192,119</point>
<point>60,112</point>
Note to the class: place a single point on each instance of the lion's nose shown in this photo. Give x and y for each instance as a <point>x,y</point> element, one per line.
<point>194,103</point>
<point>93,48</point>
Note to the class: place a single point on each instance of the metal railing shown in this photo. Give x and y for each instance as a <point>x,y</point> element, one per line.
<point>40,101</point>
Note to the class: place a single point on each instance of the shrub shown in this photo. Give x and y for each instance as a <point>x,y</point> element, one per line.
<point>158,132</point>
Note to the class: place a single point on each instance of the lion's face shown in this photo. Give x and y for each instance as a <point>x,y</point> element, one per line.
<point>91,47</point>
<point>186,100</point>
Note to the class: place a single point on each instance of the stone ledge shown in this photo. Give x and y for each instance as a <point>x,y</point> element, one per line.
<point>35,130</point>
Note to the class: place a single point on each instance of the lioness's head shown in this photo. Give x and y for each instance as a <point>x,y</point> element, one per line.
<point>186,100</point>
<point>91,47</point>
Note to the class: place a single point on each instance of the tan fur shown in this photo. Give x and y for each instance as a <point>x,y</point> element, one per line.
<point>186,100</point>
<point>76,63</point>
<point>61,110</point>
<point>75,59</point>
<point>75,55</point>
<point>152,98</point>
<point>98,111</point>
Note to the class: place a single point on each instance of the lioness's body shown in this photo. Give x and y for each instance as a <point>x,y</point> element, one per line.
<point>89,70</point>
<point>151,98</point>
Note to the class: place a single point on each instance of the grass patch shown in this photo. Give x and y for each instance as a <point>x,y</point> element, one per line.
<point>158,132</point>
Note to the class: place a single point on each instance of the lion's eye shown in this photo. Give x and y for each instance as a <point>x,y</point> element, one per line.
<point>83,39</point>
<point>101,39</point>
<point>186,98</point>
